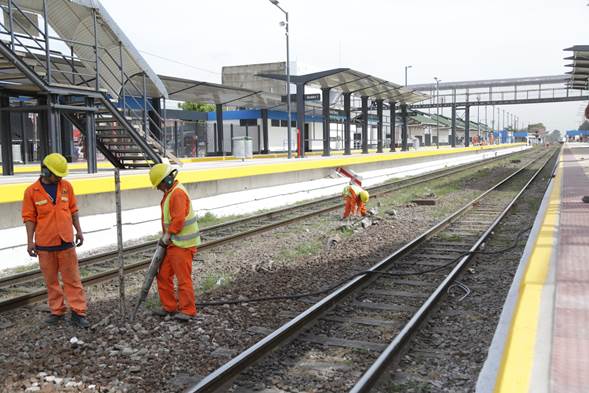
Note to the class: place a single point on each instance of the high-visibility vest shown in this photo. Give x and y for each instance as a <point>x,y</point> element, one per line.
<point>189,236</point>
<point>357,190</point>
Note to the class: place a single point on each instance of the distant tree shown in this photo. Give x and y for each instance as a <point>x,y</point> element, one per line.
<point>197,107</point>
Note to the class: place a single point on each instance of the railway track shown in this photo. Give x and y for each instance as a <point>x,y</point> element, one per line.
<point>365,323</point>
<point>27,287</point>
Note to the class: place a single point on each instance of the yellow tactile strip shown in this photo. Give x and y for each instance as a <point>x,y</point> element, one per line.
<point>84,186</point>
<point>518,357</point>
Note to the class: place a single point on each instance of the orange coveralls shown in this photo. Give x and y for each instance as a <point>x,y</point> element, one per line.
<point>178,261</point>
<point>354,204</point>
<point>53,226</point>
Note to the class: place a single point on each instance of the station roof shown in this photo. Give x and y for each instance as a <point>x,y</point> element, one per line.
<point>579,75</point>
<point>357,83</point>
<point>73,21</point>
<point>196,91</point>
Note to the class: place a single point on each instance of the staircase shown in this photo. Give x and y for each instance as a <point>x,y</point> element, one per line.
<point>128,137</point>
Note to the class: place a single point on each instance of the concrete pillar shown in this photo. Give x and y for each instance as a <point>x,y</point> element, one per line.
<point>265,131</point>
<point>6,137</point>
<point>379,126</point>
<point>453,136</point>
<point>404,145</point>
<point>326,124</point>
<point>364,124</point>
<point>219,111</point>
<point>347,121</point>
<point>467,126</point>
<point>393,110</point>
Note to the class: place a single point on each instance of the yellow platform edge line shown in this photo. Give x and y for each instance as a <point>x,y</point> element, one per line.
<point>519,355</point>
<point>85,186</point>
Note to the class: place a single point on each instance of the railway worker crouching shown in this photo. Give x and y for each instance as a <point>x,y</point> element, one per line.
<point>355,198</point>
<point>49,212</point>
<point>181,236</point>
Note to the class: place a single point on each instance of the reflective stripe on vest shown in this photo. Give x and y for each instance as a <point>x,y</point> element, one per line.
<point>357,190</point>
<point>189,236</point>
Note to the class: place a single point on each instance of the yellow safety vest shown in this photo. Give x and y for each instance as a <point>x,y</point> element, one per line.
<point>189,236</point>
<point>357,190</point>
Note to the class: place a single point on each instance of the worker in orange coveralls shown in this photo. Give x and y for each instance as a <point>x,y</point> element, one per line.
<point>49,211</point>
<point>355,198</point>
<point>181,236</point>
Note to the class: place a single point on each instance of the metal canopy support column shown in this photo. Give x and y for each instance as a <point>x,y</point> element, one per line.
<point>176,138</point>
<point>66,133</point>
<point>467,126</point>
<point>53,129</point>
<point>264,113</point>
<point>91,137</point>
<point>453,136</point>
<point>6,137</point>
<point>364,124</point>
<point>326,124</point>
<point>379,126</point>
<point>220,147</point>
<point>42,128</point>
<point>404,146</point>
<point>301,137</point>
<point>347,121</point>
<point>393,109</point>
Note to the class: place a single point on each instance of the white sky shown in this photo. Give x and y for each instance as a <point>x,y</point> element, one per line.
<point>454,39</point>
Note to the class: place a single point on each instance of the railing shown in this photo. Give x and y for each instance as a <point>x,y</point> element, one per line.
<point>73,70</point>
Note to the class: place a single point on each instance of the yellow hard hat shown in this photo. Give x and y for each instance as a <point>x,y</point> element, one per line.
<point>158,172</point>
<point>56,163</point>
<point>364,196</point>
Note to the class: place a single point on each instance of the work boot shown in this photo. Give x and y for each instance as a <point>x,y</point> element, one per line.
<point>160,312</point>
<point>183,317</point>
<point>53,319</point>
<point>80,321</point>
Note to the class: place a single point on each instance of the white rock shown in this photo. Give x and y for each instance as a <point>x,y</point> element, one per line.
<point>91,387</point>
<point>74,340</point>
<point>71,384</point>
<point>41,375</point>
<point>50,378</point>
<point>58,381</point>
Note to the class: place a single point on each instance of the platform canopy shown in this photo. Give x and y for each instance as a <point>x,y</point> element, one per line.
<point>579,75</point>
<point>205,92</point>
<point>73,21</point>
<point>355,82</point>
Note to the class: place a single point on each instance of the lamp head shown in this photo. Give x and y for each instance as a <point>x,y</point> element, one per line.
<point>275,2</point>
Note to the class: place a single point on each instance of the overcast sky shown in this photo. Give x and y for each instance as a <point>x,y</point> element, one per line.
<point>454,40</point>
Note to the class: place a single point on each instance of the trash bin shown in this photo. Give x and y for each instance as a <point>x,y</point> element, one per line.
<point>242,147</point>
<point>249,147</point>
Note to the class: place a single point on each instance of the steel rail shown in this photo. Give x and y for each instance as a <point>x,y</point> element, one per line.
<point>378,190</point>
<point>370,378</point>
<point>224,375</point>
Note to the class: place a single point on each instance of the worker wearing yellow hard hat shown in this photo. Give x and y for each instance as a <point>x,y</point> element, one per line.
<point>49,212</point>
<point>181,236</point>
<point>355,198</point>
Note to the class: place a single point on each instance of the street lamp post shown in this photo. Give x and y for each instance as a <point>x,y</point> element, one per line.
<point>288,109</point>
<point>437,111</point>
<point>406,68</point>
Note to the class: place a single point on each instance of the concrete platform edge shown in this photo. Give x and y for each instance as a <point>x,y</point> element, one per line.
<point>491,372</point>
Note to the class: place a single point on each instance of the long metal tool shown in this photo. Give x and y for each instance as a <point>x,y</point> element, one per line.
<point>154,267</point>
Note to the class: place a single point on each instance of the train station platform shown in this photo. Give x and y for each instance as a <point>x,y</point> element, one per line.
<point>541,343</point>
<point>207,177</point>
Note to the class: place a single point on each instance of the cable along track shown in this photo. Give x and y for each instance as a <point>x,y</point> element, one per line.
<point>363,325</point>
<point>28,287</point>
